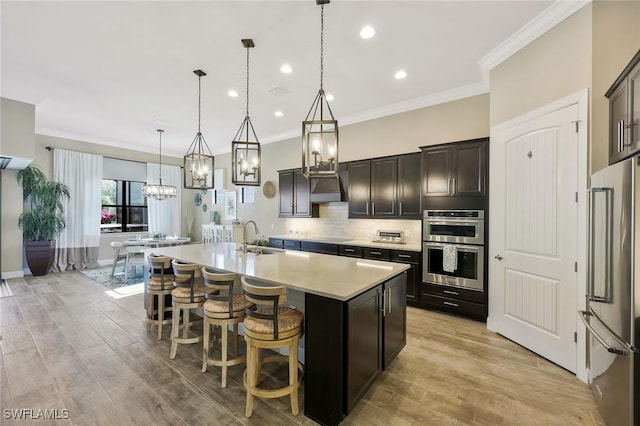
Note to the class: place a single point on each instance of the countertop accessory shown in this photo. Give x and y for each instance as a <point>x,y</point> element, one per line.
<point>269,189</point>
<point>245,147</point>
<point>158,191</point>
<point>198,161</point>
<point>393,237</point>
<point>319,129</point>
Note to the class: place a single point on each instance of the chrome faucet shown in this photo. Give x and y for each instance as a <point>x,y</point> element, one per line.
<point>244,234</point>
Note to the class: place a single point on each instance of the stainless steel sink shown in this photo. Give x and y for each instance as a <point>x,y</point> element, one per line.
<point>262,250</point>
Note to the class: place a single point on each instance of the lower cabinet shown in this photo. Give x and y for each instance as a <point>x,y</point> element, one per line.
<point>468,303</point>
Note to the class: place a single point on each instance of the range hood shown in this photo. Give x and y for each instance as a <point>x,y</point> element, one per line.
<point>326,190</point>
<point>8,162</point>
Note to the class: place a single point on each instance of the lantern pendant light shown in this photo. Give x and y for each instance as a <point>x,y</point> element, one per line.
<point>320,128</point>
<point>198,162</point>
<point>245,147</point>
<point>159,191</point>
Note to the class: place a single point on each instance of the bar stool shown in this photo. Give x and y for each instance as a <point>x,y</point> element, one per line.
<point>187,294</point>
<point>119,256</point>
<point>268,327</point>
<point>159,285</point>
<point>222,309</point>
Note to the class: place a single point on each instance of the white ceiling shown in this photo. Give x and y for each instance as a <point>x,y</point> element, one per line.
<point>114,72</point>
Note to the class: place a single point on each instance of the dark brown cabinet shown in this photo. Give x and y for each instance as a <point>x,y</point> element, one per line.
<point>394,313</point>
<point>294,195</point>
<point>624,113</point>
<point>414,273</point>
<point>385,188</point>
<point>456,169</point>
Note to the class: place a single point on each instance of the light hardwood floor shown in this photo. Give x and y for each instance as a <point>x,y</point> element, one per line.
<point>65,344</point>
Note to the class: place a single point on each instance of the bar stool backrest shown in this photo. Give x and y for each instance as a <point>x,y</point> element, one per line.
<point>270,297</point>
<point>160,266</point>
<point>186,274</point>
<point>221,286</point>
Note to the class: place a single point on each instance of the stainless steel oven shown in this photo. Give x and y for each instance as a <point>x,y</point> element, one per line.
<point>469,265</point>
<point>454,226</point>
<point>453,248</point>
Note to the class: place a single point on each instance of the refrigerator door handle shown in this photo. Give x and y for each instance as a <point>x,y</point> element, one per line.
<point>609,348</point>
<point>591,291</point>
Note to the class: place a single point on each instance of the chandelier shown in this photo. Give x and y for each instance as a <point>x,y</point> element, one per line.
<point>158,191</point>
<point>198,162</point>
<point>245,148</point>
<point>320,128</point>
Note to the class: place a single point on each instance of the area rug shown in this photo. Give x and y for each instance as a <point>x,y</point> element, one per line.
<point>103,276</point>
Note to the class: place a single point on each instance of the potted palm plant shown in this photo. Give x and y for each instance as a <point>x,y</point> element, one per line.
<point>44,219</point>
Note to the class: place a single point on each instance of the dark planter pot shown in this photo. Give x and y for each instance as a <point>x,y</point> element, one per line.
<point>40,256</point>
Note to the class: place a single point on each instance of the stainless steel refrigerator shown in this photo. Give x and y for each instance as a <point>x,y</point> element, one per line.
<point>612,316</point>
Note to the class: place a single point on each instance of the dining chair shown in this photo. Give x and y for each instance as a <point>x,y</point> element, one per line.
<point>135,258</point>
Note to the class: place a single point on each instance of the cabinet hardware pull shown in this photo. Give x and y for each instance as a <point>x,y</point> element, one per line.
<point>348,250</point>
<point>373,209</point>
<point>405,256</point>
<point>400,208</point>
<point>367,209</point>
<point>449,186</point>
<point>453,186</point>
<point>620,136</point>
<point>382,305</point>
<point>377,253</point>
<point>455,293</point>
<point>389,300</point>
<point>455,305</point>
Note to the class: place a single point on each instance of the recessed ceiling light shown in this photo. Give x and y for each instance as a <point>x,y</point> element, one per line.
<point>286,68</point>
<point>400,75</point>
<point>367,32</point>
<point>278,114</point>
<point>232,93</point>
<point>330,97</point>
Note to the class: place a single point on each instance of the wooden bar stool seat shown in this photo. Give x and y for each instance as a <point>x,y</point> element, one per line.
<point>222,308</point>
<point>188,294</point>
<point>271,326</point>
<point>159,285</point>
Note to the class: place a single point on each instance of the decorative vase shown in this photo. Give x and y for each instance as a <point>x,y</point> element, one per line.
<point>40,255</point>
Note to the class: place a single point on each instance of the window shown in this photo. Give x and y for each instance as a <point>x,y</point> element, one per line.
<point>124,208</point>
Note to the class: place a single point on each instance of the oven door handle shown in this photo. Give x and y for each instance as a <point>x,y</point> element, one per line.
<point>453,222</point>
<point>459,247</point>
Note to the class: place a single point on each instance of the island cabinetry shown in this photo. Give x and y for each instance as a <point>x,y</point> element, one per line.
<point>295,200</point>
<point>456,169</point>
<point>624,112</point>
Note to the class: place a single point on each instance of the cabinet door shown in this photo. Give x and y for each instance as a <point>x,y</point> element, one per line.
<point>359,188</point>
<point>634,110</point>
<point>384,186</point>
<point>364,341</point>
<point>301,198</point>
<point>618,117</point>
<point>409,197</point>
<point>435,171</point>
<point>285,183</point>
<point>394,317</point>
<point>470,172</point>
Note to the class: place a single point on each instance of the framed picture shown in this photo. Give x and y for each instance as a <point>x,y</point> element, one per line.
<point>248,194</point>
<point>230,205</point>
<point>218,196</point>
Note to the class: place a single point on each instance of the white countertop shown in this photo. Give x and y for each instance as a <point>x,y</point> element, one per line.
<point>348,242</point>
<point>336,277</point>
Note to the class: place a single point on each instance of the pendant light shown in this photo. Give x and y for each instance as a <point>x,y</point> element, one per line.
<point>198,162</point>
<point>245,148</point>
<point>159,191</point>
<point>320,128</point>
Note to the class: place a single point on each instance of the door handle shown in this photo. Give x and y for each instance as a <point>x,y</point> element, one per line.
<point>608,347</point>
<point>498,257</point>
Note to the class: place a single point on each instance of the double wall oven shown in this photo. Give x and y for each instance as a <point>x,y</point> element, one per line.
<point>453,248</point>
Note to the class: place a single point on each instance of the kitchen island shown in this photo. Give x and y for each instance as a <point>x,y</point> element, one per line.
<point>355,315</point>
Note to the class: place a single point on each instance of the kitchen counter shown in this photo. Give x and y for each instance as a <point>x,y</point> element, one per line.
<point>352,242</point>
<point>339,278</point>
<point>355,316</point>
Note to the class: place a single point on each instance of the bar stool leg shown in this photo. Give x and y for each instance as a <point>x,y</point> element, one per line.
<point>185,323</point>
<point>149,311</point>
<point>175,331</point>
<point>160,314</point>
<point>251,381</point>
<point>205,343</point>
<point>225,348</point>
<point>235,339</point>
<point>293,375</point>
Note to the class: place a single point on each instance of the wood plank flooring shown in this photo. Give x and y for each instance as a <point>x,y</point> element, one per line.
<point>65,344</point>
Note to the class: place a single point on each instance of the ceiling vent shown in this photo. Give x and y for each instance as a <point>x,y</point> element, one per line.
<point>278,91</point>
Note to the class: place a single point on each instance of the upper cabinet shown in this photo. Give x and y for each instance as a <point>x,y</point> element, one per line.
<point>294,195</point>
<point>456,169</point>
<point>385,187</point>
<point>624,112</point>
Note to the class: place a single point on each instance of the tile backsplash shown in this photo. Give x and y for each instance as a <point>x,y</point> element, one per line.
<point>334,222</point>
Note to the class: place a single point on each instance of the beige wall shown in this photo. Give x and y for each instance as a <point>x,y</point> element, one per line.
<point>17,137</point>
<point>616,38</point>
<point>555,65</point>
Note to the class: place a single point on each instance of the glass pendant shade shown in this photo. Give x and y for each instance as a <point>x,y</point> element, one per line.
<point>159,191</point>
<point>320,128</point>
<point>198,162</point>
<point>245,148</point>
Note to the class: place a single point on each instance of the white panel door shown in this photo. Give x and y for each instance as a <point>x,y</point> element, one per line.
<point>534,233</point>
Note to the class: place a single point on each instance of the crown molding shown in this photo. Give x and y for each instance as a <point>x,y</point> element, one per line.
<point>549,18</point>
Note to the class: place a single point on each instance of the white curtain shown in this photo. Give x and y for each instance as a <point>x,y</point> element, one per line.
<point>78,244</point>
<point>164,215</point>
